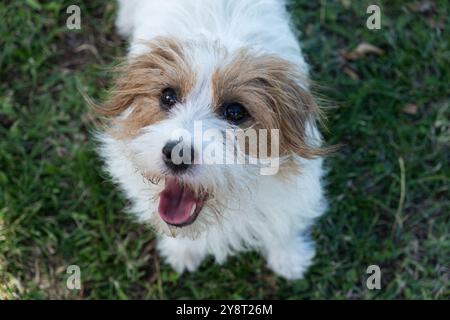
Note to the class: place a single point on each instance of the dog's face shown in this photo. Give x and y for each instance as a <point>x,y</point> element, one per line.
<point>174,89</point>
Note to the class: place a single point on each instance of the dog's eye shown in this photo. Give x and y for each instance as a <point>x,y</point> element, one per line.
<point>235,113</point>
<point>168,97</point>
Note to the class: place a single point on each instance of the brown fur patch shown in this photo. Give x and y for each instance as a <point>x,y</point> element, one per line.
<point>269,88</point>
<point>140,83</point>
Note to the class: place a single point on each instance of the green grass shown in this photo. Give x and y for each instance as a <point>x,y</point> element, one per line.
<point>57,207</point>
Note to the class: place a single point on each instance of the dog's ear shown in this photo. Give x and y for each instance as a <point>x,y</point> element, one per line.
<point>294,107</point>
<point>276,95</point>
<point>147,74</point>
<point>139,84</point>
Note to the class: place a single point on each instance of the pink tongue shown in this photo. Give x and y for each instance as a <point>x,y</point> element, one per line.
<point>176,202</point>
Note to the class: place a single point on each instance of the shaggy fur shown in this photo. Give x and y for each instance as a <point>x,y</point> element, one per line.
<point>211,53</point>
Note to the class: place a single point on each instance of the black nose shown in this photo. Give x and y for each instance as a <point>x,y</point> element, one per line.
<point>177,161</point>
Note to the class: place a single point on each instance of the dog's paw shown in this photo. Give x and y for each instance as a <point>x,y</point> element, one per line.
<point>291,263</point>
<point>185,260</point>
<point>180,255</point>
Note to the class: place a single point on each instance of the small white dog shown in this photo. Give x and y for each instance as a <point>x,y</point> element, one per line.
<point>229,64</point>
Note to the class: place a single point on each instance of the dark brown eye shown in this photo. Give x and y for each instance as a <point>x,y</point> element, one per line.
<point>234,113</point>
<point>168,97</point>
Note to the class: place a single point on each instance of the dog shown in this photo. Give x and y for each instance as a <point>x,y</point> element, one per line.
<point>229,65</point>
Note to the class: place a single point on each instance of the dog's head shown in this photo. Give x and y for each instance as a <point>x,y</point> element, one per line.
<point>173,113</point>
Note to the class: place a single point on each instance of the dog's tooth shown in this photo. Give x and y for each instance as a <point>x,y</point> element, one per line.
<point>172,231</point>
<point>165,228</point>
<point>193,209</point>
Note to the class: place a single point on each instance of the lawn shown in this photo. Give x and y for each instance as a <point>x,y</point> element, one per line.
<point>388,185</point>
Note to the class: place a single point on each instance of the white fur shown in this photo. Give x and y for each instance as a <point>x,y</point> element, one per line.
<point>263,213</point>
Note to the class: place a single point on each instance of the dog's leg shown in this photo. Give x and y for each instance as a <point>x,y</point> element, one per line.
<point>290,258</point>
<point>182,254</point>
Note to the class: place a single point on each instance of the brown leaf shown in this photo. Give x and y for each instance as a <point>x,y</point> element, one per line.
<point>362,50</point>
<point>411,109</point>
<point>436,23</point>
<point>346,3</point>
<point>423,6</point>
<point>351,73</point>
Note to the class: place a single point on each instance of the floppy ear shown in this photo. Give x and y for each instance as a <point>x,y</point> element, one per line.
<point>276,95</point>
<point>291,106</point>
<point>296,109</point>
<point>147,74</point>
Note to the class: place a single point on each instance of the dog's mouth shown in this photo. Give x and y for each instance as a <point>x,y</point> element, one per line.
<point>178,203</point>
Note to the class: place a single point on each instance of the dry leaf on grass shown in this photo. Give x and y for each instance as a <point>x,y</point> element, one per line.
<point>437,22</point>
<point>351,73</point>
<point>362,50</point>
<point>346,3</point>
<point>411,108</point>
<point>423,6</point>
